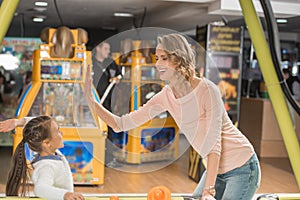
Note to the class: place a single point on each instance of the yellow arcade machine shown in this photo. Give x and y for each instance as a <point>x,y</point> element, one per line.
<point>57,90</point>
<point>157,139</point>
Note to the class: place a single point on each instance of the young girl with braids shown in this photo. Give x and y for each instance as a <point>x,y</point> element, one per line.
<point>51,175</point>
<point>196,105</point>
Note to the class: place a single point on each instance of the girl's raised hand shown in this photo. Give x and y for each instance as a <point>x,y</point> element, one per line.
<point>7,125</point>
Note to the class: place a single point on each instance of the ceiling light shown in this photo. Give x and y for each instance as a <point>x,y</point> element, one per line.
<point>38,19</point>
<point>281,21</point>
<point>192,1</point>
<point>40,9</point>
<point>109,28</point>
<point>41,3</point>
<point>119,14</point>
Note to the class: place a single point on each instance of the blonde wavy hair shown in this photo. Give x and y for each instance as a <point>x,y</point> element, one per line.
<point>179,53</point>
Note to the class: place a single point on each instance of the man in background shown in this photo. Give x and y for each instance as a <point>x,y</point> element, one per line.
<point>293,83</point>
<point>105,71</point>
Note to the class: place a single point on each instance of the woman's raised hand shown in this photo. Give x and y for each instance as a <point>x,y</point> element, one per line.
<point>88,84</point>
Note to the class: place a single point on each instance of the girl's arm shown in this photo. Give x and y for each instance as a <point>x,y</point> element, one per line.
<point>44,185</point>
<point>11,124</point>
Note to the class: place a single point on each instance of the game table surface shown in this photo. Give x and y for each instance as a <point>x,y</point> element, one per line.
<point>108,196</point>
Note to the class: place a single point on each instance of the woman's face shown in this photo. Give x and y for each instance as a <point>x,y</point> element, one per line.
<point>163,65</point>
<point>56,140</point>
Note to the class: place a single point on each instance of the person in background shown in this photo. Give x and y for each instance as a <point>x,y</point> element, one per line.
<point>51,175</point>
<point>293,83</point>
<point>27,82</point>
<point>195,103</point>
<point>105,71</point>
<point>2,87</point>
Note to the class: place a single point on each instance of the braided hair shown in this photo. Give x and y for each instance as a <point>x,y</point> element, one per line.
<point>180,53</point>
<point>34,133</point>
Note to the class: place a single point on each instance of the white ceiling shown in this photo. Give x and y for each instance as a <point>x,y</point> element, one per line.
<point>179,15</point>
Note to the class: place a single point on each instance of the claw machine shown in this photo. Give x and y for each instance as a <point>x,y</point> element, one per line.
<point>57,91</point>
<point>157,139</point>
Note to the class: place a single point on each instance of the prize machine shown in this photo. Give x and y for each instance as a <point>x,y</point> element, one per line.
<point>156,140</point>
<point>57,90</point>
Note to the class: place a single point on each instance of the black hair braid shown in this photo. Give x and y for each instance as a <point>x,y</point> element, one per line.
<point>18,173</point>
<point>34,132</point>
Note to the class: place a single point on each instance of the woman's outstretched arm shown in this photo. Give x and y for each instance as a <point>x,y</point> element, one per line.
<point>104,114</point>
<point>127,121</point>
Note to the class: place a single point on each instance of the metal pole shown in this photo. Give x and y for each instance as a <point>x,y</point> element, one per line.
<point>7,11</point>
<point>274,89</point>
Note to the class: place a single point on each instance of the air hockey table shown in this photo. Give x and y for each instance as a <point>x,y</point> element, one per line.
<point>135,196</point>
<point>113,197</point>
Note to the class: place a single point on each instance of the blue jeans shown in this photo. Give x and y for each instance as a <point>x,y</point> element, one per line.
<point>238,184</point>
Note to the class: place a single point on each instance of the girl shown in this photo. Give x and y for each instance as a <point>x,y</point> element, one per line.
<point>196,105</point>
<point>51,175</point>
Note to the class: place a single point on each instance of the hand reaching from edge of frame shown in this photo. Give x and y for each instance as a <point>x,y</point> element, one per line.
<point>11,124</point>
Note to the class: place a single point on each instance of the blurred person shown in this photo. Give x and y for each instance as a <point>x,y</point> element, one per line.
<point>293,83</point>
<point>27,82</point>
<point>2,87</point>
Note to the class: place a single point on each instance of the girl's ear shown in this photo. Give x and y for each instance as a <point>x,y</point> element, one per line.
<point>46,143</point>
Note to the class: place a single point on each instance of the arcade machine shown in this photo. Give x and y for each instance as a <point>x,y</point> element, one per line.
<point>57,90</point>
<point>155,140</point>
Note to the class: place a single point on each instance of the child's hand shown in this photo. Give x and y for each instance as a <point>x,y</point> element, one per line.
<point>73,196</point>
<point>7,125</point>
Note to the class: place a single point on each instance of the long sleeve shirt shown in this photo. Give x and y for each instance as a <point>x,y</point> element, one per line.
<point>52,177</point>
<point>201,116</point>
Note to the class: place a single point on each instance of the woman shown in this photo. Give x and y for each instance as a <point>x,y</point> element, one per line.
<point>51,175</point>
<point>196,105</point>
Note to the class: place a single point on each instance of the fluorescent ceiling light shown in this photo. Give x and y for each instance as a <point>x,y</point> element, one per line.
<point>40,9</point>
<point>38,19</point>
<point>119,14</point>
<point>41,3</point>
<point>192,1</point>
<point>281,21</point>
